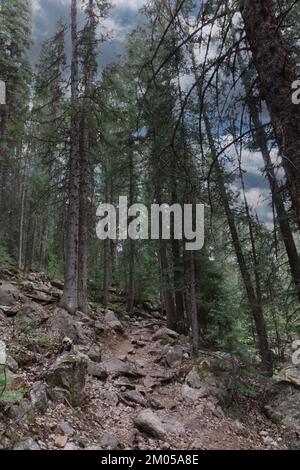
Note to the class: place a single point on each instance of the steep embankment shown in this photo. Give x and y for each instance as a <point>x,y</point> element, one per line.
<point>95,382</point>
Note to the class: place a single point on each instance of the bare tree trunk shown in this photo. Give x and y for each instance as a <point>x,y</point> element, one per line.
<point>44,237</point>
<point>132,243</point>
<point>106,272</point>
<point>83,221</point>
<point>193,304</point>
<point>282,216</point>
<point>254,298</point>
<point>167,292</point>
<point>21,232</point>
<point>69,299</point>
<point>276,70</point>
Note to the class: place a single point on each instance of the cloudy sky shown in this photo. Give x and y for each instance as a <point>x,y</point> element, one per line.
<point>123,17</point>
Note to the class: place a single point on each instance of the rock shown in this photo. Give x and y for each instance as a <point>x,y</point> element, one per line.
<point>66,428</point>
<point>193,379</point>
<point>172,425</point>
<point>38,395</point>
<point>57,284</point>
<point>63,325</point>
<point>174,356</point>
<point>115,367</point>
<point>72,446</point>
<point>100,328</point>
<point>283,405</point>
<point>135,397</point>
<point>269,441</point>
<point>68,373</point>
<point>141,344</point>
<point>95,353</point>
<point>9,294</point>
<point>110,441</point>
<point>20,411</point>
<point>97,370</point>
<point>29,444</point>
<point>11,363</point>
<point>240,429</point>
<point>112,321</point>
<point>192,395</point>
<point>33,313</point>
<point>109,397</point>
<point>3,355</point>
<point>165,334</point>
<point>149,423</point>
<point>60,441</point>
<point>289,374</point>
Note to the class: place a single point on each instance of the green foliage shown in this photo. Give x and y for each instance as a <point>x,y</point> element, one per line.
<point>7,395</point>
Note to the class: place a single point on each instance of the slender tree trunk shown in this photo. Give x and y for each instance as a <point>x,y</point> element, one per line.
<point>193,304</point>
<point>276,70</point>
<point>83,221</point>
<point>132,243</point>
<point>167,292</point>
<point>70,296</point>
<point>44,237</point>
<point>254,301</point>
<point>21,230</point>
<point>282,215</point>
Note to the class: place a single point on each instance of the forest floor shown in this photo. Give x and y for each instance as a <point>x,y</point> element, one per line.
<point>145,393</point>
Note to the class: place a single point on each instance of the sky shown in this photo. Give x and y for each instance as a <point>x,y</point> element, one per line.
<point>123,18</point>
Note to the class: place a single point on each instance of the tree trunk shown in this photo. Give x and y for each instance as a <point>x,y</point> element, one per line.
<point>276,70</point>
<point>69,299</point>
<point>254,301</point>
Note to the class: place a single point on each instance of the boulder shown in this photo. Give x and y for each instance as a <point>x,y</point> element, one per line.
<point>174,356</point>
<point>165,334</point>
<point>115,367</point>
<point>20,411</point>
<point>135,397</point>
<point>66,428</point>
<point>97,370</point>
<point>68,373</point>
<point>110,441</point>
<point>12,363</point>
<point>38,395</point>
<point>283,405</point>
<point>192,395</point>
<point>28,444</point>
<point>149,423</point>
<point>62,325</point>
<point>9,294</point>
<point>112,321</point>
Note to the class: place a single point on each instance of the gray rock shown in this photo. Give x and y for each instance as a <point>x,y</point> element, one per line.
<point>66,428</point>
<point>110,441</point>
<point>135,397</point>
<point>115,367</point>
<point>63,325</point>
<point>109,397</point>
<point>20,411</point>
<point>12,363</point>
<point>193,379</point>
<point>283,406</point>
<point>29,444</point>
<point>68,373</point>
<point>9,294</point>
<point>97,370</point>
<point>174,356</point>
<point>112,321</point>
<point>38,395</point>
<point>192,395</point>
<point>148,422</point>
<point>165,334</point>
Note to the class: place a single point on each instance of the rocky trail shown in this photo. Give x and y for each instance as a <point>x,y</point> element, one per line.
<point>107,381</point>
